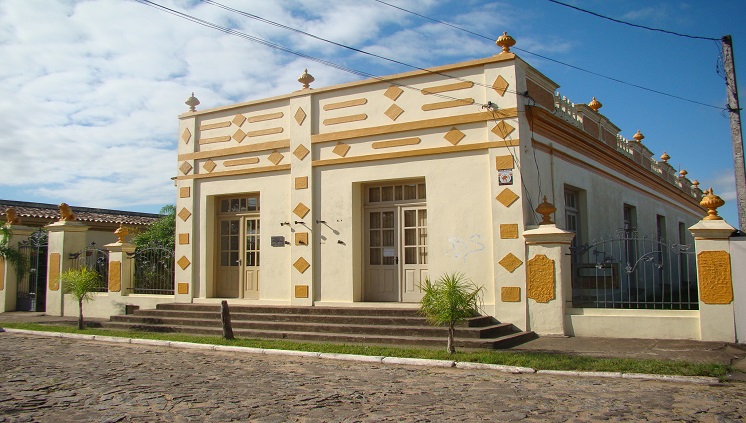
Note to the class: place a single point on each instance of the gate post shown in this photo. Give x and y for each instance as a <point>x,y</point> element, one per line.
<point>65,237</point>
<point>548,274</point>
<point>8,278</point>
<point>714,276</point>
<point>120,265</point>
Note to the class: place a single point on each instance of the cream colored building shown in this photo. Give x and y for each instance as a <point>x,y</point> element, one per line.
<point>353,194</point>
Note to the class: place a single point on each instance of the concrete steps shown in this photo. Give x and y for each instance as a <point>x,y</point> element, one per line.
<point>321,324</point>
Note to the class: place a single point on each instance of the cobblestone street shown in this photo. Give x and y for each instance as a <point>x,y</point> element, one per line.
<point>62,380</point>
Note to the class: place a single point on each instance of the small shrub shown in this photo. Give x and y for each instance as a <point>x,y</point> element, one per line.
<point>80,283</point>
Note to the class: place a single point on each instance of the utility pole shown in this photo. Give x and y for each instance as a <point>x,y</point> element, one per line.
<point>735,129</point>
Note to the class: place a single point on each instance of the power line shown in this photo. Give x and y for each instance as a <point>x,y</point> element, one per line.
<point>285,49</point>
<point>633,25</point>
<point>555,60</point>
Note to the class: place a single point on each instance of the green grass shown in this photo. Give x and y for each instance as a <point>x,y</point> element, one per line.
<point>539,361</point>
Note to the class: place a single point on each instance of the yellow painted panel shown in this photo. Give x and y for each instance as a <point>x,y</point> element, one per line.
<point>510,294</point>
<point>115,276</point>
<point>715,279</point>
<point>182,288</point>
<point>540,279</point>
<point>54,271</point>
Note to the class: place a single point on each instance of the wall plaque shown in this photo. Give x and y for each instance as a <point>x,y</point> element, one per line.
<point>278,241</point>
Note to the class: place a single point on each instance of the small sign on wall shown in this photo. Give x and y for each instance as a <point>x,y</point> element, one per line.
<point>505,176</point>
<point>278,241</point>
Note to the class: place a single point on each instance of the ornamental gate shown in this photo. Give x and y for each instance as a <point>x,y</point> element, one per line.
<point>95,259</point>
<point>154,270</point>
<point>632,272</point>
<point>32,289</point>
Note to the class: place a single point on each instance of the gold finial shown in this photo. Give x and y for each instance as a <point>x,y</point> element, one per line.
<point>506,42</point>
<point>639,137</point>
<point>695,184</point>
<point>306,79</point>
<point>711,202</point>
<point>545,209</point>
<point>665,157</point>
<point>595,104</point>
<point>192,102</point>
<point>11,217</point>
<point>66,213</point>
<point>121,232</point>
<point>683,173</point>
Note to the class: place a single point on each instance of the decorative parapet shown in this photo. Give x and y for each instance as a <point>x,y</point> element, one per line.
<point>587,118</point>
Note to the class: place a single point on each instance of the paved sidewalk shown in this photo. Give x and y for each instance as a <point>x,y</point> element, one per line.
<point>684,350</point>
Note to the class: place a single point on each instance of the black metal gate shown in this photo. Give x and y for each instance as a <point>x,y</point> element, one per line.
<point>632,272</point>
<point>95,259</point>
<point>154,270</point>
<point>32,289</point>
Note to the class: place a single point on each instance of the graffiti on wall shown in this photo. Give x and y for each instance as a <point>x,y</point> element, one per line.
<point>463,248</point>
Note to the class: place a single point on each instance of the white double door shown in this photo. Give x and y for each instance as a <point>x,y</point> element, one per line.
<point>395,253</point>
<point>238,257</point>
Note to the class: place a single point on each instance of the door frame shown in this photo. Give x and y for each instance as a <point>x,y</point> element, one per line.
<point>242,216</point>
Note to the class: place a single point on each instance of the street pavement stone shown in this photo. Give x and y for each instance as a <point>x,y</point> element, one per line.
<point>69,380</point>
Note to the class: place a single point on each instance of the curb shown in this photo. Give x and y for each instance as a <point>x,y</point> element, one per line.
<point>701,380</point>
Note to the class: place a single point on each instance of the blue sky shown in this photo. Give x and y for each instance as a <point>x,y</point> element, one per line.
<point>91,90</point>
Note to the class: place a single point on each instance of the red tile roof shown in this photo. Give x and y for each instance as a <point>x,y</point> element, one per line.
<point>82,214</point>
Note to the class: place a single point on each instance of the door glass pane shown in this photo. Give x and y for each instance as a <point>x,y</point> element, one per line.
<point>423,236</point>
<point>388,261</point>
<point>243,204</point>
<point>387,219</point>
<point>375,256</point>
<point>398,193</point>
<point>410,237</point>
<point>388,237</point>
<point>224,206</point>
<point>410,255</point>
<point>374,195</point>
<point>253,204</point>
<point>224,259</point>
<point>410,218</point>
<point>410,192</point>
<point>421,191</point>
<point>234,205</point>
<point>423,255</point>
<point>234,243</point>
<point>387,193</point>
<point>250,259</point>
<point>422,217</point>
<point>257,258</point>
<point>224,242</point>
<point>375,220</point>
<point>234,227</point>
<point>375,238</point>
<point>224,228</point>
<point>233,258</point>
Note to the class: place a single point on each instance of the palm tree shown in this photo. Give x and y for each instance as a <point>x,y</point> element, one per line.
<point>80,283</point>
<point>11,254</point>
<point>449,301</point>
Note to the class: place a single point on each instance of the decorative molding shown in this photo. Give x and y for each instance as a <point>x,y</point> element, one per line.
<point>506,197</point>
<point>262,132</point>
<point>509,231</point>
<point>184,239</point>
<point>275,157</point>
<point>209,165</point>
<point>540,279</point>
<point>184,214</point>
<point>504,162</point>
<point>207,127</point>
<point>301,291</point>
<point>247,171</point>
<point>301,210</point>
<point>447,87</point>
<point>415,153</point>
<point>510,294</point>
<point>500,85</point>
<point>54,271</point>
<point>510,262</point>
<point>454,136</point>
<point>185,168</point>
<point>300,116</point>
<point>502,129</point>
<point>301,238</point>
<point>239,135</point>
<point>301,152</point>
<point>238,120</point>
<point>183,262</point>
<point>415,125</point>
<point>393,92</point>
<point>301,182</point>
<point>115,276</point>
<point>241,162</point>
<point>186,135</point>
<point>393,112</point>
<point>345,119</point>
<point>345,104</point>
<point>341,149</point>
<point>715,279</point>
<point>447,104</point>
<point>301,265</point>
<point>396,143</point>
<point>232,151</point>
<point>214,140</point>
<point>182,288</point>
<point>185,192</point>
<point>268,116</point>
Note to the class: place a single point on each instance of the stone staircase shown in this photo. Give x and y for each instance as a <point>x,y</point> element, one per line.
<point>385,326</point>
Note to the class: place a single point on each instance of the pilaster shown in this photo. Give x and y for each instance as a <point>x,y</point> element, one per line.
<point>65,238</point>
<point>120,270</point>
<point>8,276</point>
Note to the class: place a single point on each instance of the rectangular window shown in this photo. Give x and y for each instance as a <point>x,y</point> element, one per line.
<point>572,214</point>
<point>661,228</point>
<point>630,218</point>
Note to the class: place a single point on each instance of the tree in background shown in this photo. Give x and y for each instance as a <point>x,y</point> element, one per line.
<point>450,300</point>
<point>12,254</point>
<point>80,283</point>
<point>161,232</point>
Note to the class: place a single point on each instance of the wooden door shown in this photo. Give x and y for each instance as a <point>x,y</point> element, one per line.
<point>414,257</point>
<point>251,258</point>
<point>229,258</point>
<point>382,255</point>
